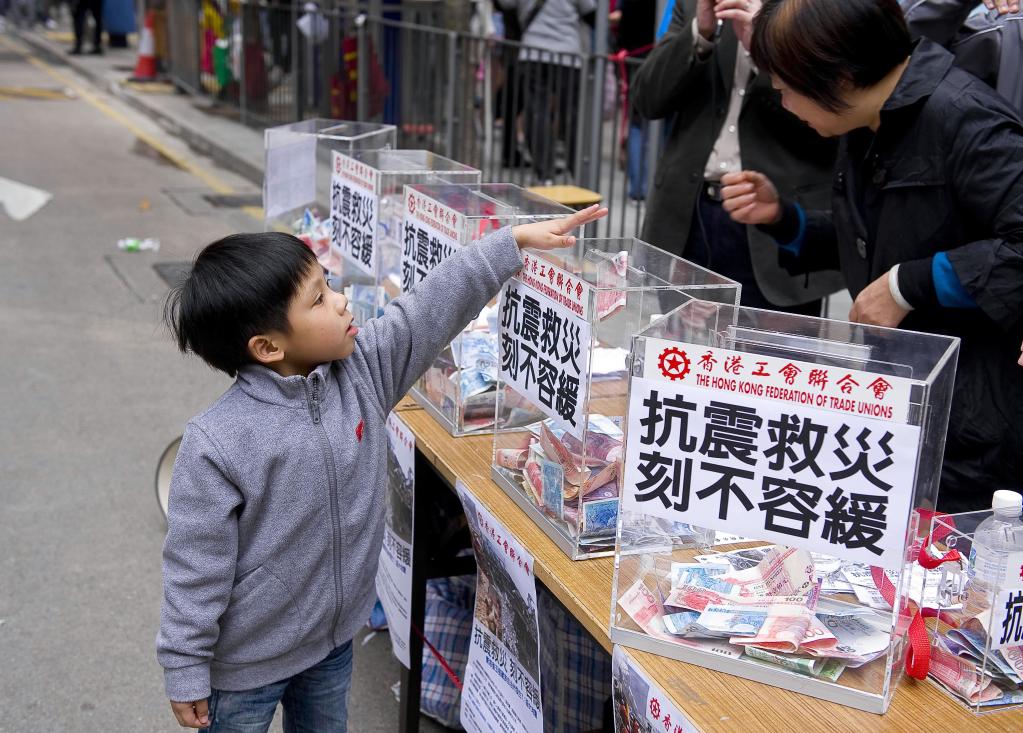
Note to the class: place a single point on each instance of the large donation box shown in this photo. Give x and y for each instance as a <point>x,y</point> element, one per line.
<point>565,325</point>
<point>773,469</point>
<point>367,202</point>
<point>297,173</point>
<point>459,389</point>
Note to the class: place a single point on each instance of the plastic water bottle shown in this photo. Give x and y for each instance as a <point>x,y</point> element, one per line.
<point>995,537</point>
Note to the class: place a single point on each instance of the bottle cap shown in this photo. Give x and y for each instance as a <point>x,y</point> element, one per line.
<point>1008,500</point>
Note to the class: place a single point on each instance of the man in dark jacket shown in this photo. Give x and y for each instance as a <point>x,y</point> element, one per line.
<point>987,44</point>
<point>725,116</point>
<point>927,209</point>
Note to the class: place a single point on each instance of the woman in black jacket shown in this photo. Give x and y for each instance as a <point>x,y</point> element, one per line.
<point>926,222</point>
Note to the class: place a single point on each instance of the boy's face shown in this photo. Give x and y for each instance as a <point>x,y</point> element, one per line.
<point>322,328</point>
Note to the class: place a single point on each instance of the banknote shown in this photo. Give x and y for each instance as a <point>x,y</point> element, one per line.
<point>678,624</point>
<point>703,576</point>
<point>472,382</point>
<point>856,639</point>
<point>609,490</point>
<point>1005,662</point>
<point>961,677</point>
<point>553,487</point>
<point>781,572</point>
<point>643,607</point>
<point>826,669</point>
<point>695,598</point>
<point>784,630</point>
<point>737,559</point>
<point>733,620</point>
<point>600,516</point>
<point>511,458</point>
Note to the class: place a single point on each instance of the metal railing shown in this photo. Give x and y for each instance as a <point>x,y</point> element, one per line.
<point>521,114</point>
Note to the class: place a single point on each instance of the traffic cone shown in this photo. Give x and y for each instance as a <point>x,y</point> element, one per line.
<point>145,68</point>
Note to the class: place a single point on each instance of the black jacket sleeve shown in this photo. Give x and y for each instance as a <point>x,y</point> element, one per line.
<point>938,20</point>
<point>987,168</point>
<point>659,84</point>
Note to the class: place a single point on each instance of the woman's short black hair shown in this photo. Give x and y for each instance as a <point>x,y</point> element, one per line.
<point>239,286</point>
<point>820,48</point>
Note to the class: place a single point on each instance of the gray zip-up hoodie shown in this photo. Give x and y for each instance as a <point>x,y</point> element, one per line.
<point>277,498</point>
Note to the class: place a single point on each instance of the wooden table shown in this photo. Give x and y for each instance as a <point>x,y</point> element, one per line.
<point>713,701</point>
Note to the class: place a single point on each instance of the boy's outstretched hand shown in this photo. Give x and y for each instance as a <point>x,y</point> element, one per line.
<point>192,714</point>
<point>554,234</point>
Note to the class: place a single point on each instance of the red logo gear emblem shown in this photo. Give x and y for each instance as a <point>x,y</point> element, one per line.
<point>411,204</point>
<point>673,363</point>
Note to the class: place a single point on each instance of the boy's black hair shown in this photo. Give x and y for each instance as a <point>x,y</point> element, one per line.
<point>819,47</point>
<point>239,286</point>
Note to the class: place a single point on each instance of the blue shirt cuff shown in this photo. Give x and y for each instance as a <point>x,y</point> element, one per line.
<point>951,293</point>
<point>796,245</point>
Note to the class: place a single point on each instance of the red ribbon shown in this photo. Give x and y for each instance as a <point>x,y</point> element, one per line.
<point>623,88</point>
<point>918,654</point>
<point>439,657</point>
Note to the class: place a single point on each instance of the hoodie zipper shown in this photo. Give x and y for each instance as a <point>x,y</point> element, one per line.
<point>314,411</point>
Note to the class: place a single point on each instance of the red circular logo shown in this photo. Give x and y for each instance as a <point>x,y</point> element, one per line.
<point>411,204</point>
<point>673,363</point>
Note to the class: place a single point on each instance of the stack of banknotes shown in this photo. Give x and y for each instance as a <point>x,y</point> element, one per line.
<point>766,604</point>
<point>963,664</point>
<point>573,482</point>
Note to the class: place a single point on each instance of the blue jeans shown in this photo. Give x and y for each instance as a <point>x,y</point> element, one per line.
<point>315,701</point>
<point>637,161</point>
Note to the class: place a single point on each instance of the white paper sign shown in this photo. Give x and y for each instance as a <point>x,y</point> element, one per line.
<point>394,574</point>
<point>354,205</point>
<point>430,234</point>
<point>1007,627</point>
<point>796,383</point>
<point>290,178</point>
<point>501,689</point>
<point>640,705</point>
<point>831,483</point>
<point>545,349</point>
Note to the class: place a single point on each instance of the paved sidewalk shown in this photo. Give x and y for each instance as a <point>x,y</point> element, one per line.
<point>230,144</point>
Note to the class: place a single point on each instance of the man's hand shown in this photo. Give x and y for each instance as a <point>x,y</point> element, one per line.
<point>741,13</point>
<point>750,198</point>
<point>192,714</point>
<point>875,305</point>
<point>1003,7</point>
<point>706,20</point>
<point>554,234</point>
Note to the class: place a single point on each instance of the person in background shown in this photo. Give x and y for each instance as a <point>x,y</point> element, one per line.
<point>550,61</point>
<point>94,8</point>
<point>633,23</point>
<point>926,217</point>
<point>987,40</point>
<point>726,117</point>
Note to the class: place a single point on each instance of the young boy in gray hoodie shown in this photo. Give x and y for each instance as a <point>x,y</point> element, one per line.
<point>276,513</point>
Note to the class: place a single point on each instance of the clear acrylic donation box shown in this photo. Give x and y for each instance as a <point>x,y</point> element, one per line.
<point>367,203</point>
<point>977,630</point>
<point>773,467</point>
<point>297,173</point>
<point>459,390</point>
<point>565,325</point>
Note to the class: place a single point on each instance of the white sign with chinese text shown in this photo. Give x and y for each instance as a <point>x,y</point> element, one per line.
<point>797,383</point>
<point>1007,622</point>
<point>394,573</point>
<point>811,478</point>
<point>431,232</point>
<point>640,705</point>
<point>354,205</point>
<point>545,350</point>
<point>501,689</point>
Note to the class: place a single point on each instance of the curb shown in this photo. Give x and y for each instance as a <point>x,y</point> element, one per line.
<point>195,139</point>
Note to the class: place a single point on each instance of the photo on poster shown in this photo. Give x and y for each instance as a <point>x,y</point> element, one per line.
<point>504,606</point>
<point>400,487</point>
<point>630,692</point>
